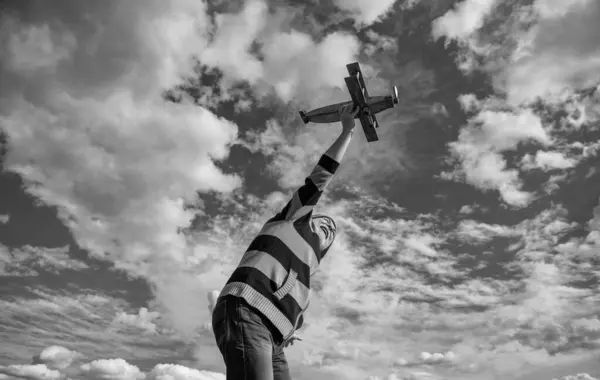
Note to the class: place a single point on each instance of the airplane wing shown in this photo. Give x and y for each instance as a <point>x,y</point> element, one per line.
<point>369,122</point>
<point>367,118</point>
<point>356,92</point>
<point>354,71</point>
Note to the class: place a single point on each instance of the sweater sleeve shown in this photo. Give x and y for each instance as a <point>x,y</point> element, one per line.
<point>306,197</point>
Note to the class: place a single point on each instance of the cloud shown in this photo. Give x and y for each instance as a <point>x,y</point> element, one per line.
<point>541,319</point>
<point>377,42</point>
<point>36,48</point>
<point>543,49</point>
<point>547,161</point>
<point>531,321</point>
<point>229,48</point>
<point>60,363</point>
<point>479,233</point>
<point>111,369</point>
<point>594,223</point>
<point>143,320</point>
<point>366,12</point>
<point>56,357</point>
<point>291,59</point>
<point>538,51</point>
<point>480,147</point>
<point>466,209</point>
<point>436,357</point>
<point>470,209</point>
<point>29,260</point>
<point>558,53</point>
<point>212,299</point>
<point>120,163</point>
<point>30,372</point>
<point>465,18</point>
<point>179,372</point>
<point>427,358</point>
<point>285,155</point>
<point>81,322</point>
<point>288,57</point>
<point>579,376</point>
<point>416,375</point>
<point>4,218</point>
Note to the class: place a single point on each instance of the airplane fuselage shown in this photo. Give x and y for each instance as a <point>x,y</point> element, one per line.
<point>330,113</point>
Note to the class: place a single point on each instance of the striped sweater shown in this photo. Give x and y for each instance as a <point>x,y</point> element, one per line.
<point>273,275</point>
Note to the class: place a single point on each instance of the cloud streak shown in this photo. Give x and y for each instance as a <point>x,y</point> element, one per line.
<point>29,261</point>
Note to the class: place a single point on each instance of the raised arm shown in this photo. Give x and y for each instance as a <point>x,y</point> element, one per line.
<point>337,150</point>
<point>307,196</point>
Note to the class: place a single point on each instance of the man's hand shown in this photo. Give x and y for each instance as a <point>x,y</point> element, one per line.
<point>291,340</point>
<point>347,116</point>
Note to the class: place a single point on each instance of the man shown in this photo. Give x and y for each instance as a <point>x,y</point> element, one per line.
<point>261,306</point>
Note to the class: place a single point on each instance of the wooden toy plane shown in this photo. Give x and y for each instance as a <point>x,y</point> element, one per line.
<point>368,105</point>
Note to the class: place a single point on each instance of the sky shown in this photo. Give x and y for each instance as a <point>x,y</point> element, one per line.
<point>144,144</point>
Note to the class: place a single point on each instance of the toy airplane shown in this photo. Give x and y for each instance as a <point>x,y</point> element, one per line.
<point>368,105</point>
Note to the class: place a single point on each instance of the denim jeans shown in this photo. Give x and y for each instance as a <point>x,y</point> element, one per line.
<point>245,339</point>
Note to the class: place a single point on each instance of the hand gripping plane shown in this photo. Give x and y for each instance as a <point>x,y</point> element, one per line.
<point>368,105</point>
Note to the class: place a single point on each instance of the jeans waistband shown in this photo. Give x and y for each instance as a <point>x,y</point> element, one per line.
<point>277,337</point>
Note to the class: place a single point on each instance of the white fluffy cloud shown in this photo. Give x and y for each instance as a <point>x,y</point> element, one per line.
<point>466,17</point>
<point>377,42</point>
<point>95,138</point>
<point>579,376</point>
<point>4,218</point>
<point>179,372</point>
<point>143,320</point>
<point>111,369</point>
<point>229,48</point>
<point>56,357</point>
<point>366,12</point>
<point>436,357</point>
<point>292,64</point>
<point>481,144</point>
<point>30,371</point>
<point>212,299</point>
<point>292,59</point>
<point>548,47</point>
<point>559,53</point>
<point>427,358</point>
<point>58,363</point>
<point>546,161</point>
